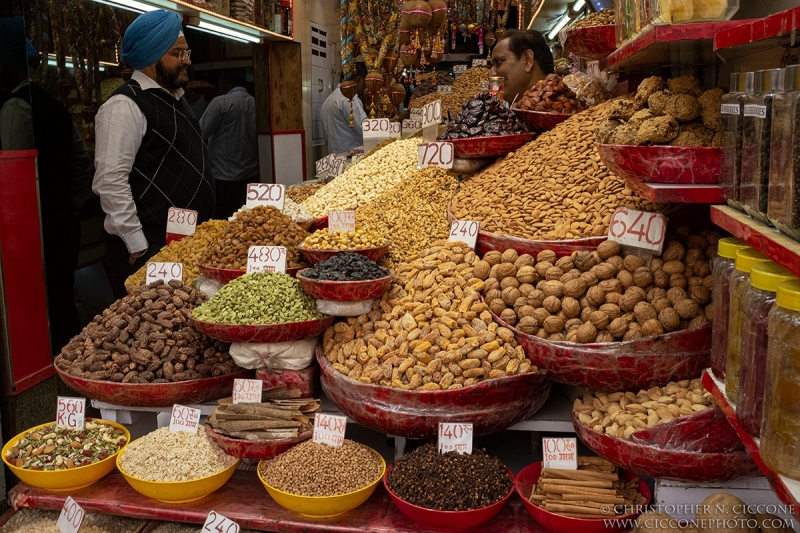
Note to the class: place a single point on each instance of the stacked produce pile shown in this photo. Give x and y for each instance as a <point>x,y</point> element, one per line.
<point>554,187</point>
<point>429,331</point>
<point>259,298</point>
<point>601,296</point>
<point>603,18</point>
<point>427,83</point>
<point>381,145</point>
<point>677,112</point>
<point>300,193</point>
<point>260,226</point>
<point>550,95</point>
<point>187,251</point>
<point>146,338</point>
<point>366,179</point>
<point>465,87</point>
<point>348,266</point>
<point>483,116</point>
<point>449,481</point>
<point>412,215</point>
<point>291,209</point>
<point>27,520</point>
<point>621,414</point>
<point>343,240</point>
<point>594,490</point>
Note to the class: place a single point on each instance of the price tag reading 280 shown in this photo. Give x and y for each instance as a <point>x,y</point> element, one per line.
<point>216,523</point>
<point>455,438</point>
<point>266,259</point>
<point>638,229</point>
<point>164,271</point>
<point>465,231</point>
<point>181,221</point>
<point>265,194</point>
<point>436,154</point>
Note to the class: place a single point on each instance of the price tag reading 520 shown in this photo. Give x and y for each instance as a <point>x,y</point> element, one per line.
<point>436,154</point>
<point>265,194</point>
<point>266,259</point>
<point>455,438</point>
<point>465,231</point>
<point>638,229</point>
<point>70,412</point>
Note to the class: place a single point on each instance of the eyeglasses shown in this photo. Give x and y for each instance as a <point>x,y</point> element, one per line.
<point>183,55</point>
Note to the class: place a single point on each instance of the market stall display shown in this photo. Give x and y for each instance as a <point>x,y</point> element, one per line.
<point>550,95</point>
<point>594,36</point>
<point>324,244</point>
<point>348,277</point>
<point>45,521</point>
<point>465,87</point>
<point>291,209</point>
<point>300,193</point>
<point>482,116</point>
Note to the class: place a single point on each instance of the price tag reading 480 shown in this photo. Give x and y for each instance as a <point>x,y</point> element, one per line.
<point>455,438</point>
<point>164,271</point>
<point>265,194</point>
<point>329,429</point>
<point>216,523</point>
<point>638,229</point>
<point>436,154</point>
<point>465,231</point>
<point>70,412</point>
<point>266,259</point>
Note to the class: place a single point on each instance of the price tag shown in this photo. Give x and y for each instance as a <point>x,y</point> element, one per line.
<point>478,62</point>
<point>435,154</point>
<point>337,166</point>
<point>729,109</point>
<point>395,130</point>
<point>329,429</point>
<point>638,229</point>
<point>184,419</point>
<point>343,221</point>
<point>560,453</point>
<point>455,438</point>
<point>459,69</point>
<point>484,86</point>
<point>375,128</point>
<point>444,89</point>
<point>70,412</point>
<point>265,194</point>
<point>216,523</point>
<point>759,111</point>
<point>181,221</point>
<point>266,259</point>
<point>413,124</point>
<point>325,165</point>
<point>464,231</point>
<point>432,114</point>
<point>165,271</point>
<point>71,517</point>
<point>247,390</point>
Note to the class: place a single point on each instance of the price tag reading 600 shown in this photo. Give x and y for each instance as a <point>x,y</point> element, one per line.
<point>265,194</point>
<point>465,231</point>
<point>638,229</point>
<point>266,259</point>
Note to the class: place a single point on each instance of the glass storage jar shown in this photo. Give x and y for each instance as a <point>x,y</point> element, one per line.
<point>757,128</point>
<point>780,426</point>
<point>740,282</point>
<point>759,300</point>
<point>675,11</point>
<point>732,114</point>
<point>783,208</point>
<point>722,267</point>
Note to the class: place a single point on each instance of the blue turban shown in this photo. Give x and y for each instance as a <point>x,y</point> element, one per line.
<point>13,44</point>
<point>149,37</point>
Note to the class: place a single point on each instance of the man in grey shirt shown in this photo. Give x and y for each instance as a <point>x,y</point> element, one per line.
<point>229,130</point>
<point>336,122</point>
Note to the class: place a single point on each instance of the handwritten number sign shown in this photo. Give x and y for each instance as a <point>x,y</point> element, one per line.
<point>455,438</point>
<point>432,114</point>
<point>247,390</point>
<point>181,221</point>
<point>465,231</point>
<point>342,220</point>
<point>164,271</point>
<point>216,523</point>
<point>265,194</point>
<point>329,429</point>
<point>638,229</point>
<point>184,419</point>
<point>560,453</point>
<point>70,412</point>
<point>71,517</point>
<point>459,69</point>
<point>478,62</point>
<point>435,154</point>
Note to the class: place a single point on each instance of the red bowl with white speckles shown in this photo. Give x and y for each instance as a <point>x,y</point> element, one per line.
<point>493,146</point>
<point>592,42</point>
<point>374,253</point>
<point>345,291</point>
<point>663,164</point>
<point>541,120</point>
<point>255,449</point>
<point>289,331</point>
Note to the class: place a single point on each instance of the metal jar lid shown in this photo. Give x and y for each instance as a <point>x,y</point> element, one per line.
<point>791,80</point>
<point>770,80</point>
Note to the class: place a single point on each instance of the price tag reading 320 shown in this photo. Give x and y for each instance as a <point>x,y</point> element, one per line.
<point>638,229</point>
<point>266,259</point>
<point>561,453</point>
<point>465,231</point>
<point>343,221</point>
<point>184,419</point>
<point>216,523</point>
<point>329,429</point>
<point>181,221</point>
<point>435,154</point>
<point>164,271</point>
<point>265,194</point>
<point>455,438</point>
<point>70,412</point>
<point>247,390</point>
<point>71,517</point>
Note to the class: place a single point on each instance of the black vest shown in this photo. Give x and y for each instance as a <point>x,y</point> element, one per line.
<point>172,167</point>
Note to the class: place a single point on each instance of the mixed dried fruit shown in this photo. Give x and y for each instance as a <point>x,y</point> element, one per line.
<point>551,95</point>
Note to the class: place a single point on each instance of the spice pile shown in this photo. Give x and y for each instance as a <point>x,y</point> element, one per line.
<point>61,448</point>
<point>554,187</point>
<point>168,456</point>
<point>300,193</point>
<point>601,296</point>
<point>311,469</point>
<point>348,266</point>
<point>677,112</point>
<point>483,116</point>
<point>551,95</point>
<point>621,414</point>
<point>594,490</point>
<point>465,87</point>
<point>259,298</point>
<point>605,17</point>
<point>343,240</point>
<point>449,481</point>
<point>260,226</point>
<point>146,338</point>
<point>429,331</point>
<point>281,414</point>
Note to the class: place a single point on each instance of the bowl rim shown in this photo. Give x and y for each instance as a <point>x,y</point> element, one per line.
<point>243,271</point>
<point>591,27</point>
<point>313,281</point>
<point>191,317</point>
<point>451,513</point>
<point>483,138</point>
<point>15,438</point>
<point>283,440</point>
<point>340,251</point>
<point>659,147</point>
<point>175,483</point>
<point>318,498</point>
<point>543,113</point>
<point>70,376</point>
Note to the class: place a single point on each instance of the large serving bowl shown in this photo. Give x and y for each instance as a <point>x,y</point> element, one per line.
<point>663,164</point>
<point>373,253</point>
<point>345,291</point>
<point>494,146</point>
<point>255,449</point>
<point>224,275</point>
<point>288,331</point>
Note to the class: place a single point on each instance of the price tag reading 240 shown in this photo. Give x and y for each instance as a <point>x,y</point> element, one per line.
<point>266,259</point>
<point>71,517</point>
<point>216,523</point>
<point>329,429</point>
<point>436,154</point>
<point>265,194</point>
<point>465,231</point>
<point>70,412</point>
<point>164,271</point>
<point>455,438</point>
<point>638,229</point>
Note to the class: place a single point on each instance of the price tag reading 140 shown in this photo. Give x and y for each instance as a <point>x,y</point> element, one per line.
<point>455,438</point>
<point>265,194</point>
<point>435,154</point>
<point>71,517</point>
<point>465,231</point>
<point>216,523</point>
<point>329,429</point>
<point>70,412</point>
<point>164,271</point>
<point>638,229</point>
<point>266,259</point>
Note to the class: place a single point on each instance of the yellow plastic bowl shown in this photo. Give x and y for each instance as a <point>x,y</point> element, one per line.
<point>65,480</point>
<point>323,506</point>
<point>179,491</point>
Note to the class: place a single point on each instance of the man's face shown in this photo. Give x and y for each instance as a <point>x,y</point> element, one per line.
<point>515,70</point>
<point>171,71</point>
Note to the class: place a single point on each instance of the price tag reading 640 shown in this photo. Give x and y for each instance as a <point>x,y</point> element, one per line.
<point>638,229</point>
<point>265,194</point>
<point>266,259</point>
<point>455,438</point>
<point>465,231</point>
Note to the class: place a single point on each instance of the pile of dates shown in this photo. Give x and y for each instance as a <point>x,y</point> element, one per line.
<point>551,95</point>
<point>483,116</point>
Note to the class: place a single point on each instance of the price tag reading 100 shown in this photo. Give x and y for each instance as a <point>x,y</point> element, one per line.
<point>638,229</point>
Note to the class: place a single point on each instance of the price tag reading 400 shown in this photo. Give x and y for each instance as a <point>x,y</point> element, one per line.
<point>164,271</point>
<point>455,438</point>
<point>247,390</point>
<point>465,231</point>
<point>181,221</point>
<point>329,429</point>
<point>436,154</point>
<point>70,412</point>
<point>638,229</point>
<point>561,453</point>
<point>266,259</point>
<point>265,194</point>
<point>216,523</point>
<point>71,517</point>
<point>184,419</point>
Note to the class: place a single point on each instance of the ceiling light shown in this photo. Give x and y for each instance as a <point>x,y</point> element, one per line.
<point>218,34</point>
<point>559,25</point>
<point>222,31</point>
<point>131,5</point>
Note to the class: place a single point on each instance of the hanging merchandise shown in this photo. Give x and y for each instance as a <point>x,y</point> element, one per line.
<point>348,89</point>
<point>374,26</point>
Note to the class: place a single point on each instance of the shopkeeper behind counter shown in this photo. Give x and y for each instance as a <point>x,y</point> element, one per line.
<point>522,58</point>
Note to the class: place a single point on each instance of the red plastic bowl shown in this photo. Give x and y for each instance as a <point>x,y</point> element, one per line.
<point>494,146</point>
<point>490,406</point>
<point>433,520</point>
<point>345,291</point>
<point>154,394</point>
<point>593,42</point>
<point>225,275</point>
<point>317,256</point>
<point>320,223</point>
<point>255,449</point>
<point>541,120</point>
<point>289,331</point>
<point>663,164</point>
<point>668,463</point>
<point>529,476</point>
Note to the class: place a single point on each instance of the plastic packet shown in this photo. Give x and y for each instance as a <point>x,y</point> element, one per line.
<point>705,432</point>
<point>587,88</point>
<point>329,307</point>
<point>207,286</point>
<point>292,355</point>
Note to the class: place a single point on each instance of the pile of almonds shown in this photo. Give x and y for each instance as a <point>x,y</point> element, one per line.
<point>621,414</point>
<point>601,296</point>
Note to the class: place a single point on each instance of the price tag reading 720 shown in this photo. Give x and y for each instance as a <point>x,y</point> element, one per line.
<point>70,412</point>
<point>164,271</point>
<point>216,523</point>
<point>266,259</point>
<point>436,154</point>
<point>329,429</point>
<point>265,194</point>
<point>638,229</point>
<point>181,221</point>
<point>465,231</point>
<point>455,438</point>
<point>71,517</point>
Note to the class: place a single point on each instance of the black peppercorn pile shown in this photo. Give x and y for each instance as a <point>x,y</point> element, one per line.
<point>484,115</point>
<point>449,481</point>
<point>347,266</point>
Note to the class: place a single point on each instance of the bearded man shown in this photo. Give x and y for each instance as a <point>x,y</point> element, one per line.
<point>149,153</point>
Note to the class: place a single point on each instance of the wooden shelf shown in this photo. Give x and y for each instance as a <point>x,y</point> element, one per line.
<point>769,241</point>
<point>671,193</point>
<point>788,490</point>
<point>757,35</point>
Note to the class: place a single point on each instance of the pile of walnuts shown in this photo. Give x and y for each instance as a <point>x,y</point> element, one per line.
<point>601,296</point>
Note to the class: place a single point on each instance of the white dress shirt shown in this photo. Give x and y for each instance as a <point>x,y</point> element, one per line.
<point>336,122</point>
<point>229,130</point>
<point>120,127</point>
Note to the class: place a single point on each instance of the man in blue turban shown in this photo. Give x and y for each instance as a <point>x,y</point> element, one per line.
<point>149,152</point>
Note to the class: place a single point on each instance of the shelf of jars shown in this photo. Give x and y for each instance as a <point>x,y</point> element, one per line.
<point>788,490</point>
<point>757,35</point>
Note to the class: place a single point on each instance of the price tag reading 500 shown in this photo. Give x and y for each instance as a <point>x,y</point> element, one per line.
<point>455,438</point>
<point>638,229</point>
<point>266,259</point>
<point>164,271</point>
<point>265,194</point>
<point>70,412</point>
<point>437,154</point>
<point>465,231</point>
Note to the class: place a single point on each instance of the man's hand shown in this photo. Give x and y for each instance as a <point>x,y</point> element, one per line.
<point>133,257</point>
